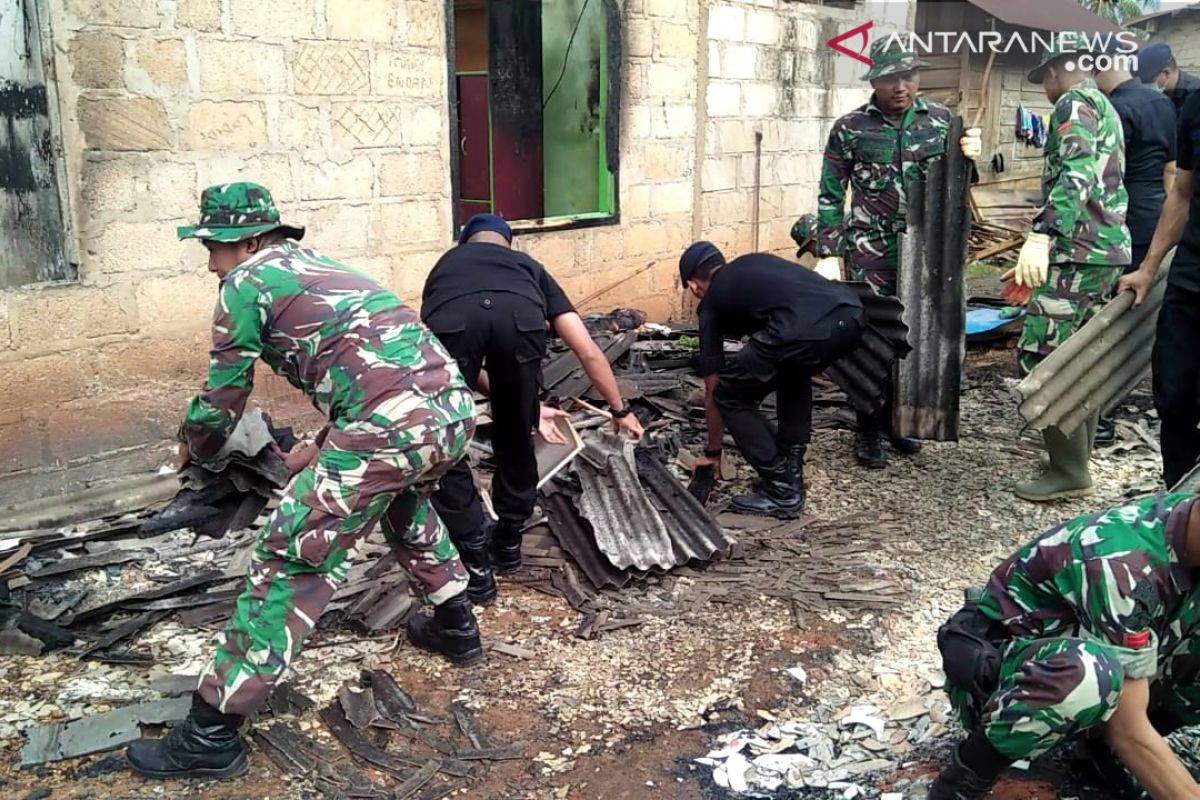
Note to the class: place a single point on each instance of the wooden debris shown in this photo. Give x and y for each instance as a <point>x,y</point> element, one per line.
<point>123,631</point>
<point>423,776</point>
<point>68,565</point>
<point>393,764</point>
<point>197,583</point>
<point>511,650</point>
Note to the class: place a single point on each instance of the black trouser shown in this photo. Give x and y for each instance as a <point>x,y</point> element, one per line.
<point>767,365</point>
<point>506,334</point>
<point>1176,362</point>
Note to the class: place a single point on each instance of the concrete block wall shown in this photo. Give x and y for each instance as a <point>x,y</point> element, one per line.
<point>770,74</point>
<point>341,109</point>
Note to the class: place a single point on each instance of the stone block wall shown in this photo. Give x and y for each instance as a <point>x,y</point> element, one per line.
<point>340,108</point>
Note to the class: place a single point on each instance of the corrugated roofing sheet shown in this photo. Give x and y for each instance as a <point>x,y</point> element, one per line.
<point>1046,15</point>
<point>695,535</point>
<point>865,374</point>
<point>578,539</point>
<point>1098,366</point>
<point>933,254</point>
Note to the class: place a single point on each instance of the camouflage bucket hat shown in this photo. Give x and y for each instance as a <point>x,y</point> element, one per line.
<point>1060,45</point>
<point>890,57</point>
<point>805,230</point>
<point>232,212</point>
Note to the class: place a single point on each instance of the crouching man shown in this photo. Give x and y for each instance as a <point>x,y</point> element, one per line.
<point>798,323</point>
<point>400,415</point>
<point>1089,630</point>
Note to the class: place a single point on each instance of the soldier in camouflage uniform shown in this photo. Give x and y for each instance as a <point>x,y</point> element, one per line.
<point>879,151</point>
<point>1078,248</point>
<point>804,234</point>
<point>1094,627</point>
<point>400,415</point>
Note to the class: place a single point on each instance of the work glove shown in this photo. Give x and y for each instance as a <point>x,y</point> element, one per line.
<point>972,143</point>
<point>1033,264</point>
<point>829,268</point>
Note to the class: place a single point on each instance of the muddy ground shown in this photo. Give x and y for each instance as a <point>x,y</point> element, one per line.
<point>625,714</point>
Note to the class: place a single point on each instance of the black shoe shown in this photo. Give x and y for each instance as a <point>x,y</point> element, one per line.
<point>451,631</point>
<point>905,446</point>
<point>205,745</point>
<point>778,496</point>
<point>477,558</point>
<point>972,772</point>
<point>1106,433</point>
<point>506,548</point>
<point>794,453</point>
<point>869,452</point>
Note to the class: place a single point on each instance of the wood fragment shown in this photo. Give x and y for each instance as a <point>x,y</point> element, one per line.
<point>511,650</point>
<point>509,753</point>
<point>16,558</point>
<point>197,583</point>
<point>68,565</point>
<point>125,630</point>
<point>413,785</point>
<point>394,764</point>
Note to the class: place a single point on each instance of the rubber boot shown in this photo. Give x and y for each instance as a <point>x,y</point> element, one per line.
<point>451,631</point>
<point>869,451</point>
<point>477,558</point>
<point>1068,474</point>
<point>779,496</point>
<point>971,773</point>
<point>506,548</point>
<point>205,745</point>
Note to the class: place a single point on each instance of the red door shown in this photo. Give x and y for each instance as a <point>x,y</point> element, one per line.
<point>474,146</point>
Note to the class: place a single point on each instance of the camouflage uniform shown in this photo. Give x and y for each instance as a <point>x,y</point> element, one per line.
<point>1089,603</point>
<point>400,416</point>
<point>878,158</point>
<point>1085,201</point>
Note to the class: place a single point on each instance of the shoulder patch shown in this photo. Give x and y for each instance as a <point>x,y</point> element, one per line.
<point>1066,126</point>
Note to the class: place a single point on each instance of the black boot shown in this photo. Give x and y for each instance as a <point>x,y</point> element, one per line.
<point>904,445</point>
<point>206,745</point>
<point>972,771</point>
<point>451,631</point>
<point>477,558</point>
<point>506,548</point>
<point>1106,433</point>
<point>777,495</point>
<point>869,451</point>
<point>795,465</point>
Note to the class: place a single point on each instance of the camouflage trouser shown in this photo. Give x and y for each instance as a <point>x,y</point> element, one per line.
<point>306,549</point>
<point>884,281</point>
<point>1053,689</point>
<point>1070,296</point>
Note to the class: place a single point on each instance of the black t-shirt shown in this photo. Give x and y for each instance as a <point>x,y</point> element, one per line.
<point>481,267</point>
<point>1150,124</point>
<point>761,291</point>
<point>1185,270</point>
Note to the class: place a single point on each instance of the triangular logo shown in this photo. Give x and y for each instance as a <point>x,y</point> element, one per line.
<point>859,54</point>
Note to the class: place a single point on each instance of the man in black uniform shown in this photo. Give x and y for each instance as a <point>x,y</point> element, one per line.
<point>798,323</point>
<point>1176,357</point>
<point>1156,64</point>
<point>489,305</point>
<point>1149,121</point>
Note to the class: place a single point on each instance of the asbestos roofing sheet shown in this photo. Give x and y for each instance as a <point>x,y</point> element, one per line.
<point>1097,366</point>
<point>695,535</point>
<point>577,539</point>
<point>865,374</point>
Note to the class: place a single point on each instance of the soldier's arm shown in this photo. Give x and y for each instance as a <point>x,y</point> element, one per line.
<point>831,200</point>
<point>1077,125</point>
<point>1143,750</point>
<point>237,342</point>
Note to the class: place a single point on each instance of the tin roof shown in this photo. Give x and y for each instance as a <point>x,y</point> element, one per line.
<point>1046,15</point>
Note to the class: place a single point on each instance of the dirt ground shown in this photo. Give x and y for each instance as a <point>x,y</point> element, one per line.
<point>623,716</point>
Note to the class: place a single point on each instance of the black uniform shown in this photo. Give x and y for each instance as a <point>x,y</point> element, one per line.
<point>1150,123</point>
<point>1185,87</point>
<point>1176,357</point>
<point>489,306</point>
<point>798,323</point>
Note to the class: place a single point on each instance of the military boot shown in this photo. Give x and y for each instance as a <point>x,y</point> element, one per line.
<point>778,495</point>
<point>477,558</point>
<point>795,464</point>
<point>905,445</point>
<point>1068,472</point>
<point>869,451</point>
<point>451,631</point>
<point>971,773</point>
<point>205,745</point>
<point>1106,433</point>
<point>506,548</point>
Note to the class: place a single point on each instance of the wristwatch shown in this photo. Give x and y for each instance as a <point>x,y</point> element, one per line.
<point>622,412</point>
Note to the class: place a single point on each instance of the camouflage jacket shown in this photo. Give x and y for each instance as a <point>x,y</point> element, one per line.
<point>1083,182</point>
<point>878,161</point>
<point>1113,576</point>
<point>362,356</point>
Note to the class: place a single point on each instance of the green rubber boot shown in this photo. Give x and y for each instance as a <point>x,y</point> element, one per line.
<point>1068,474</point>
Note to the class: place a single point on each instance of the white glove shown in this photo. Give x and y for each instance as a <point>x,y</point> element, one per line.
<point>829,268</point>
<point>1033,265</point>
<point>971,143</point>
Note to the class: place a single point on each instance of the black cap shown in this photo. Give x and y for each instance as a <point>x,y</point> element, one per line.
<point>695,257</point>
<point>1153,59</point>
<point>485,222</point>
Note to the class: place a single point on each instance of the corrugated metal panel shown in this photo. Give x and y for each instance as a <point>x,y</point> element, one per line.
<point>629,530</point>
<point>579,541</point>
<point>933,252</point>
<point>865,374</point>
<point>1046,15</point>
<point>1189,482</point>
<point>695,535</point>
<point>563,376</point>
<point>1098,366</point>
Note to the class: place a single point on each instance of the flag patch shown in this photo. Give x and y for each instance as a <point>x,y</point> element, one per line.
<point>1137,640</point>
